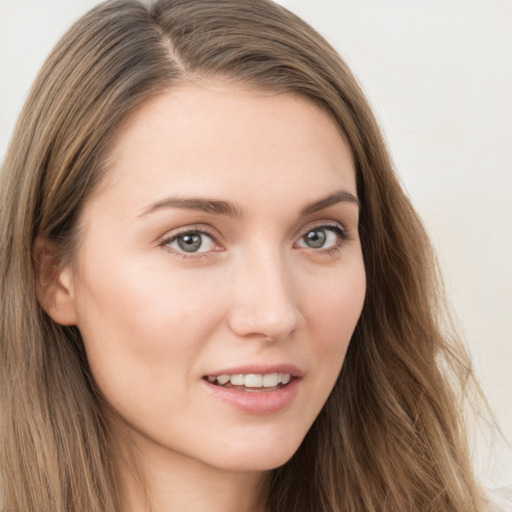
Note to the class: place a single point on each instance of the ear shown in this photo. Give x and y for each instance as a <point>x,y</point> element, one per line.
<point>54,283</point>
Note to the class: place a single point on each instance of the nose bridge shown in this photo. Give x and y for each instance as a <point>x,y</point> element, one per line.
<point>264,301</point>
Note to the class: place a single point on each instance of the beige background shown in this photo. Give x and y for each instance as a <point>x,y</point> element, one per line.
<point>439,74</point>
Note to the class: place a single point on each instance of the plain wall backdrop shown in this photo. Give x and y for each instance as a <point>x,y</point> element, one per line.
<point>439,76</point>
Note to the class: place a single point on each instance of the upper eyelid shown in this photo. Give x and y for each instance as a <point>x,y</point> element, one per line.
<point>322,223</point>
<point>171,235</point>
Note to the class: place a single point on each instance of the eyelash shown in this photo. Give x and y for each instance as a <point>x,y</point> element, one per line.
<point>342,237</point>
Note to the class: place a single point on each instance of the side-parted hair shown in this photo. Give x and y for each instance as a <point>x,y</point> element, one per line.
<point>389,437</point>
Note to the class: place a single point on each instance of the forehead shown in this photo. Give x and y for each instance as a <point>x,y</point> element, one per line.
<point>217,135</point>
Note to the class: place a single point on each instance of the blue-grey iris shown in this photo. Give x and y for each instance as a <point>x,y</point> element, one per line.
<point>190,242</point>
<point>315,238</point>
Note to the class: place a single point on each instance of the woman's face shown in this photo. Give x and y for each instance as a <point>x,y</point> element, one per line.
<point>220,275</point>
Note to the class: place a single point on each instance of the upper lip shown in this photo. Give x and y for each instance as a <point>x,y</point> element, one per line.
<point>258,369</point>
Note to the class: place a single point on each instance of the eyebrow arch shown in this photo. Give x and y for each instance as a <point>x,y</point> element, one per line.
<point>197,204</point>
<point>340,196</point>
<point>219,207</point>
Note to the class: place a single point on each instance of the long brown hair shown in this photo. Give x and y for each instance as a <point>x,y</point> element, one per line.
<point>389,437</point>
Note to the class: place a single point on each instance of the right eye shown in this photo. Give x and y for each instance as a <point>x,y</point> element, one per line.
<point>191,242</point>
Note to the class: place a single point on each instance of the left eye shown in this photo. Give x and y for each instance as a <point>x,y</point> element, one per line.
<point>321,238</point>
<point>191,242</point>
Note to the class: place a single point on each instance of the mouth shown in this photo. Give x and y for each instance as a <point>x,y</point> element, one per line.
<point>256,389</point>
<point>252,382</point>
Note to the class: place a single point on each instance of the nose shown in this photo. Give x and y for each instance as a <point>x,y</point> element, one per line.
<point>264,303</point>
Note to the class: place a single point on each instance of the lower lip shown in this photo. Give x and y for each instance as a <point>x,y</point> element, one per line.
<point>256,402</point>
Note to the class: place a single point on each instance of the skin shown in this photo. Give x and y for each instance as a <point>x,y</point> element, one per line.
<point>156,320</point>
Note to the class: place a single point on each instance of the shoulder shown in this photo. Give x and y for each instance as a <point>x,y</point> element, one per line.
<point>500,500</point>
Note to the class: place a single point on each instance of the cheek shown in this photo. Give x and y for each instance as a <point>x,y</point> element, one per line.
<point>140,320</point>
<point>332,314</point>
<point>134,300</point>
<point>331,307</point>
<point>334,309</point>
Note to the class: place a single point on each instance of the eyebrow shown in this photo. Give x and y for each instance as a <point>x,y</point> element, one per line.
<point>197,204</point>
<point>219,207</point>
<point>340,196</point>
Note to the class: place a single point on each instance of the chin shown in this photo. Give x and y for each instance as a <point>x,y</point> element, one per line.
<point>260,455</point>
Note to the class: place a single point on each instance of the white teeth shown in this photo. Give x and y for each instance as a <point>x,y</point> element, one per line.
<point>223,379</point>
<point>251,380</point>
<point>284,378</point>
<point>270,380</point>
<point>237,380</point>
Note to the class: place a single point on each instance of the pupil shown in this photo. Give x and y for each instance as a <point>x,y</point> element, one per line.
<point>315,239</point>
<point>190,243</point>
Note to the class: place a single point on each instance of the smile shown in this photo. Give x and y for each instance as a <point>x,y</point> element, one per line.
<point>254,393</point>
<point>251,381</point>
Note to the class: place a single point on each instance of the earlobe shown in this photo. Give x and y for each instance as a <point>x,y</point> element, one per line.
<point>53,283</point>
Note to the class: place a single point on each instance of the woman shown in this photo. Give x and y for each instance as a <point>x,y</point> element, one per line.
<point>214,291</point>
